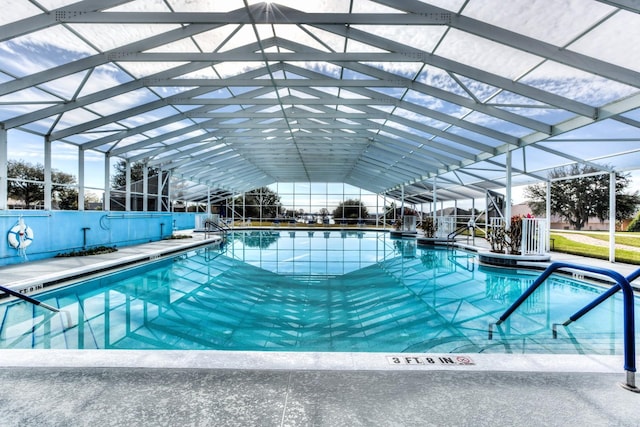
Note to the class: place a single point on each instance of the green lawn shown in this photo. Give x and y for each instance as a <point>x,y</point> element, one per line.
<point>629,239</point>
<point>562,244</point>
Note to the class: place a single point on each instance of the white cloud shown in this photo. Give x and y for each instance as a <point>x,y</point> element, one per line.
<point>15,10</point>
<point>553,21</point>
<point>576,84</point>
<point>615,41</point>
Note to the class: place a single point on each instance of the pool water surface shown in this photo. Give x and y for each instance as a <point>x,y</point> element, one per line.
<point>317,291</point>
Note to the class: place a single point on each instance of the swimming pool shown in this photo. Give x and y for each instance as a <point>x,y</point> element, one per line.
<point>317,291</point>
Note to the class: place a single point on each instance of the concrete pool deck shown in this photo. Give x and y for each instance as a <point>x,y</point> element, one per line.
<point>204,388</point>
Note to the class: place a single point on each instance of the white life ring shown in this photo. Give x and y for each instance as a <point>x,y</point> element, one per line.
<point>20,236</point>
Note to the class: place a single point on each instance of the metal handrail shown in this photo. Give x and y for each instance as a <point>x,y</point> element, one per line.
<point>67,315</point>
<point>622,283</point>
<point>457,231</point>
<point>209,225</point>
<point>587,308</point>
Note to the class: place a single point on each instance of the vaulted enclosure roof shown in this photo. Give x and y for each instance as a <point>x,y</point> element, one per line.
<point>380,94</point>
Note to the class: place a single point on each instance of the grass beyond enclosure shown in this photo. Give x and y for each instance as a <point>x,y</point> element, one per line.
<point>564,243</point>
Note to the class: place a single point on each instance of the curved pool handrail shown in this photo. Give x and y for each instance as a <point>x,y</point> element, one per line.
<point>622,283</point>
<point>587,308</point>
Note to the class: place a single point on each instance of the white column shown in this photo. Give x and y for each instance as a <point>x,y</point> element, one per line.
<point>208,201</point>
<point>455,214</point>
<point>434,202</point>
<point>402,205</point>
<point>159,194</point>
<point>80,179</point>
<point>145,188</point>
<point>384,213</point>
<point>233,209</point>
<point>612,217</point>
<point>4,183</point>
<point>127,185</point>
<point>48,186</point>
<point>169,191</point>
<point>473,218</point>
<point>507,210</point>
<point>548,214</point>
<point>107,183</point>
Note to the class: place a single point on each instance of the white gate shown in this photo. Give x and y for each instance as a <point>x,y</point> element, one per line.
<point>534,236</point>
<point>446,225</point>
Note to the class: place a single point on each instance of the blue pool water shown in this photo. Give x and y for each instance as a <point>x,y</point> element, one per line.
<point>317,291</point>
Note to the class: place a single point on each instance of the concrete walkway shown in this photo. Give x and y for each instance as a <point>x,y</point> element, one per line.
<point>216,388</point>
<point>232,397</point>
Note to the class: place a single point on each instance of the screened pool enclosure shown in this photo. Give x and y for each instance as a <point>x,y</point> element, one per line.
<point>410,102</point>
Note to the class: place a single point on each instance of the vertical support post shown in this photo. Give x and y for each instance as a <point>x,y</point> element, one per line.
<point>208,201</point>
<point>359,204</point>
<point>612,217</point>
<point>48,185</point>
<point>80,179</point>
<point>159,191</point>
<point>4,182</point>
<point>402,205</point>
<point>548,214</point>
<point>434,193</point>
<point>473,219</point>
<point>507,209</point>
<point>169,192</point>
<point>384,213</point>
<point>127,185</point>
<point>145,187</point>
<point>455,214</point>
<point>395,215</point>
<point>233,210</point>
<point>107,183</point>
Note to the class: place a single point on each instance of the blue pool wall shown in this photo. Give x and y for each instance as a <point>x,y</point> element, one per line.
<point>56,232</point>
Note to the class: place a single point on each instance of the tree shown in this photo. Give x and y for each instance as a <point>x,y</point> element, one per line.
<point>635,224</point>
<point>626,206</point>
<point>262,198</point>
<point>119,178</point>
<point>66,196</point>
<point>351,209</point>
<point>27,185</point>
<point>92,199</point>
<point>578,199</point>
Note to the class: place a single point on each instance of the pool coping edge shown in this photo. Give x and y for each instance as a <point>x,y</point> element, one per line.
<point>276,360</point>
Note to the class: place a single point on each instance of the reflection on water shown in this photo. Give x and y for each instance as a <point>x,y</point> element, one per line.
<point>316,291</point>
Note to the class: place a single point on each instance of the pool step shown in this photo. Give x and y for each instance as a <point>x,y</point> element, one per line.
<point>521,345</point>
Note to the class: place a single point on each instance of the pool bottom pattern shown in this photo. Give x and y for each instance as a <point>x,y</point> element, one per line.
<point>435,301</point>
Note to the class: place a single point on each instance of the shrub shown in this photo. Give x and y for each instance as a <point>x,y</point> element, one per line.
<point>429,227</point>
<point>635,224</point>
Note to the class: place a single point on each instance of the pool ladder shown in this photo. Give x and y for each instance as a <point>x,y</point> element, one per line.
<point>66,316</point>
<point>622,283</point>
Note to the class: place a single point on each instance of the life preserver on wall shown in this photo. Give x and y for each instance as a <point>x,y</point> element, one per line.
<point>20,236</point>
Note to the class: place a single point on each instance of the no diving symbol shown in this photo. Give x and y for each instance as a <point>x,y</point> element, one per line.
<point>464,360</point>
